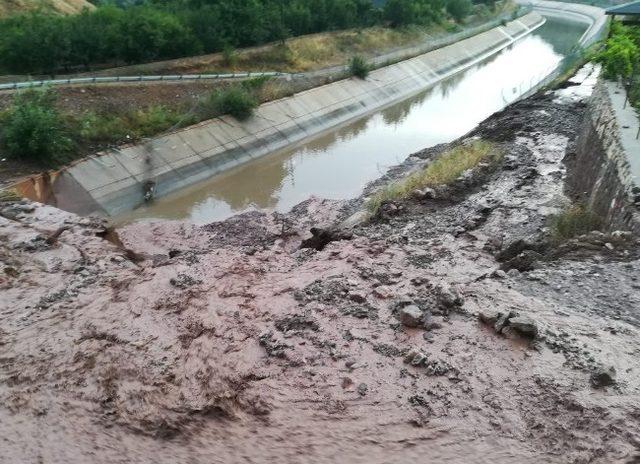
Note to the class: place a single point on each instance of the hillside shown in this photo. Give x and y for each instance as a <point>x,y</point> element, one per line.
<point>8,7</point>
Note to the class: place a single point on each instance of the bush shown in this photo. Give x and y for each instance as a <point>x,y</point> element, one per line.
<point>574,221</point>
<point>236,101</point>
<point>358,67</point>
<point>229,57</point>
<point>34,130</point>
<point>621,55</point>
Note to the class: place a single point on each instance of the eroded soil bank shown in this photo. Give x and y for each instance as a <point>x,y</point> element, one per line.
<point>229,343</point>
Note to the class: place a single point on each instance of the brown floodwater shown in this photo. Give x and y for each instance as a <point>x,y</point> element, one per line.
<point>338,164</point>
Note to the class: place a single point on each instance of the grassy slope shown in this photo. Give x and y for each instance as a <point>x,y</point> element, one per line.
<point>8,7</point>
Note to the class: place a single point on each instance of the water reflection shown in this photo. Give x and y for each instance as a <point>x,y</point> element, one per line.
<point>338,164</point>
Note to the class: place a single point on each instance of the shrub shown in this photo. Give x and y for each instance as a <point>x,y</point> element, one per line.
<point>574,221</point>
<point>236,101</point>
<point>34,130</point>
<point>229,57</point>
<point>358,67</point>
<point>621,55</point>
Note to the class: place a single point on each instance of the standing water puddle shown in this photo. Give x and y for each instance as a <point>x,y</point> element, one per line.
<point>340,163</point>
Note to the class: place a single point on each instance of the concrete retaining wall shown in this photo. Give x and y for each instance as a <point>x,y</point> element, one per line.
<point>606,163</point>
<point>113,182</point>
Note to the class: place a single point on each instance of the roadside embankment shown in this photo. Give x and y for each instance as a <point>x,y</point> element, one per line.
<point>115,181</point>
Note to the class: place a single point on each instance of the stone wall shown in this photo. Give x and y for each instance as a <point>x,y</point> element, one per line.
<point>600,173</point>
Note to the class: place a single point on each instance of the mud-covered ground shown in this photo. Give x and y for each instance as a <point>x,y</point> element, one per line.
<point>228,343</point>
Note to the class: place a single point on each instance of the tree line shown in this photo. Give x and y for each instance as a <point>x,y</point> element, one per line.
<point>126,33</point>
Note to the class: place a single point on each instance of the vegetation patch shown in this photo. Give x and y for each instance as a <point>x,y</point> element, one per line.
<point>574,221</point>
<point>445,169</point>
<point>32,129</point>
<point>236,101</point>
<point>99,129</point>
<point>620,58</point>
<point>8,195</point>
<point>359,67</point>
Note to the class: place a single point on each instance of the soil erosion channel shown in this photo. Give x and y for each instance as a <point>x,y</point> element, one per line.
<point>339,164</point>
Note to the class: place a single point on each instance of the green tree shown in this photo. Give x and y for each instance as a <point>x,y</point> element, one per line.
<point>399,12</point>
<point>459,9</point>
<point>621,55</point>
<point>33,42</point>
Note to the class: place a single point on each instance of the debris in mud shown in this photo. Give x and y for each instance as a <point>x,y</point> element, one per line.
<point>603,377</point>
<point>387,350</point>
<point>184,281</point>
<point>322,237</point>
<point>272,346</point>
<point>524,261</point>
<point>297,323</point>
<point>448,297</point>
<point>326,291</point>
<point>361,311</point>
<point>415,357</point>
<point>433,367</point>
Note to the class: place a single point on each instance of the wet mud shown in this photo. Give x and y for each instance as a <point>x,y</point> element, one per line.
<point>449,327</point>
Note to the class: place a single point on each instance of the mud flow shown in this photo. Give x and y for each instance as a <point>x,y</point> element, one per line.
<point>448,327</point>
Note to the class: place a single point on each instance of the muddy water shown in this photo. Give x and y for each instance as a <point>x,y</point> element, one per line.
<point>338,164</point>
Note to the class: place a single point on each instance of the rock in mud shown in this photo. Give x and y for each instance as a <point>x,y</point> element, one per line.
<point>501,321</point>
<point>489,317</point>
<point>415,357</point>
<point>410,316</point>
<point>524,261</point>
<point>424,194</point>
<point>322,237</point>
<point>603,377</point>
<point>517,246</point>
<point>449,297</point>
<point>356,219</point>
<point>524,326</point>
<point>388,209</point>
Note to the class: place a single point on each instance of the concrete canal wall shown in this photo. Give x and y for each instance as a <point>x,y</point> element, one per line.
<point>114,182</point>
<point>606,162</point>
<point>593,16</point>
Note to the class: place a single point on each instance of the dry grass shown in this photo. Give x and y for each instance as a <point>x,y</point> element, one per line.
<point>8,195</point>
<point>8,7</point>
<point>445,169</point>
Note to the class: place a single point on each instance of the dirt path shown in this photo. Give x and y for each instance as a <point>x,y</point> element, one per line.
<point>228,343</point>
